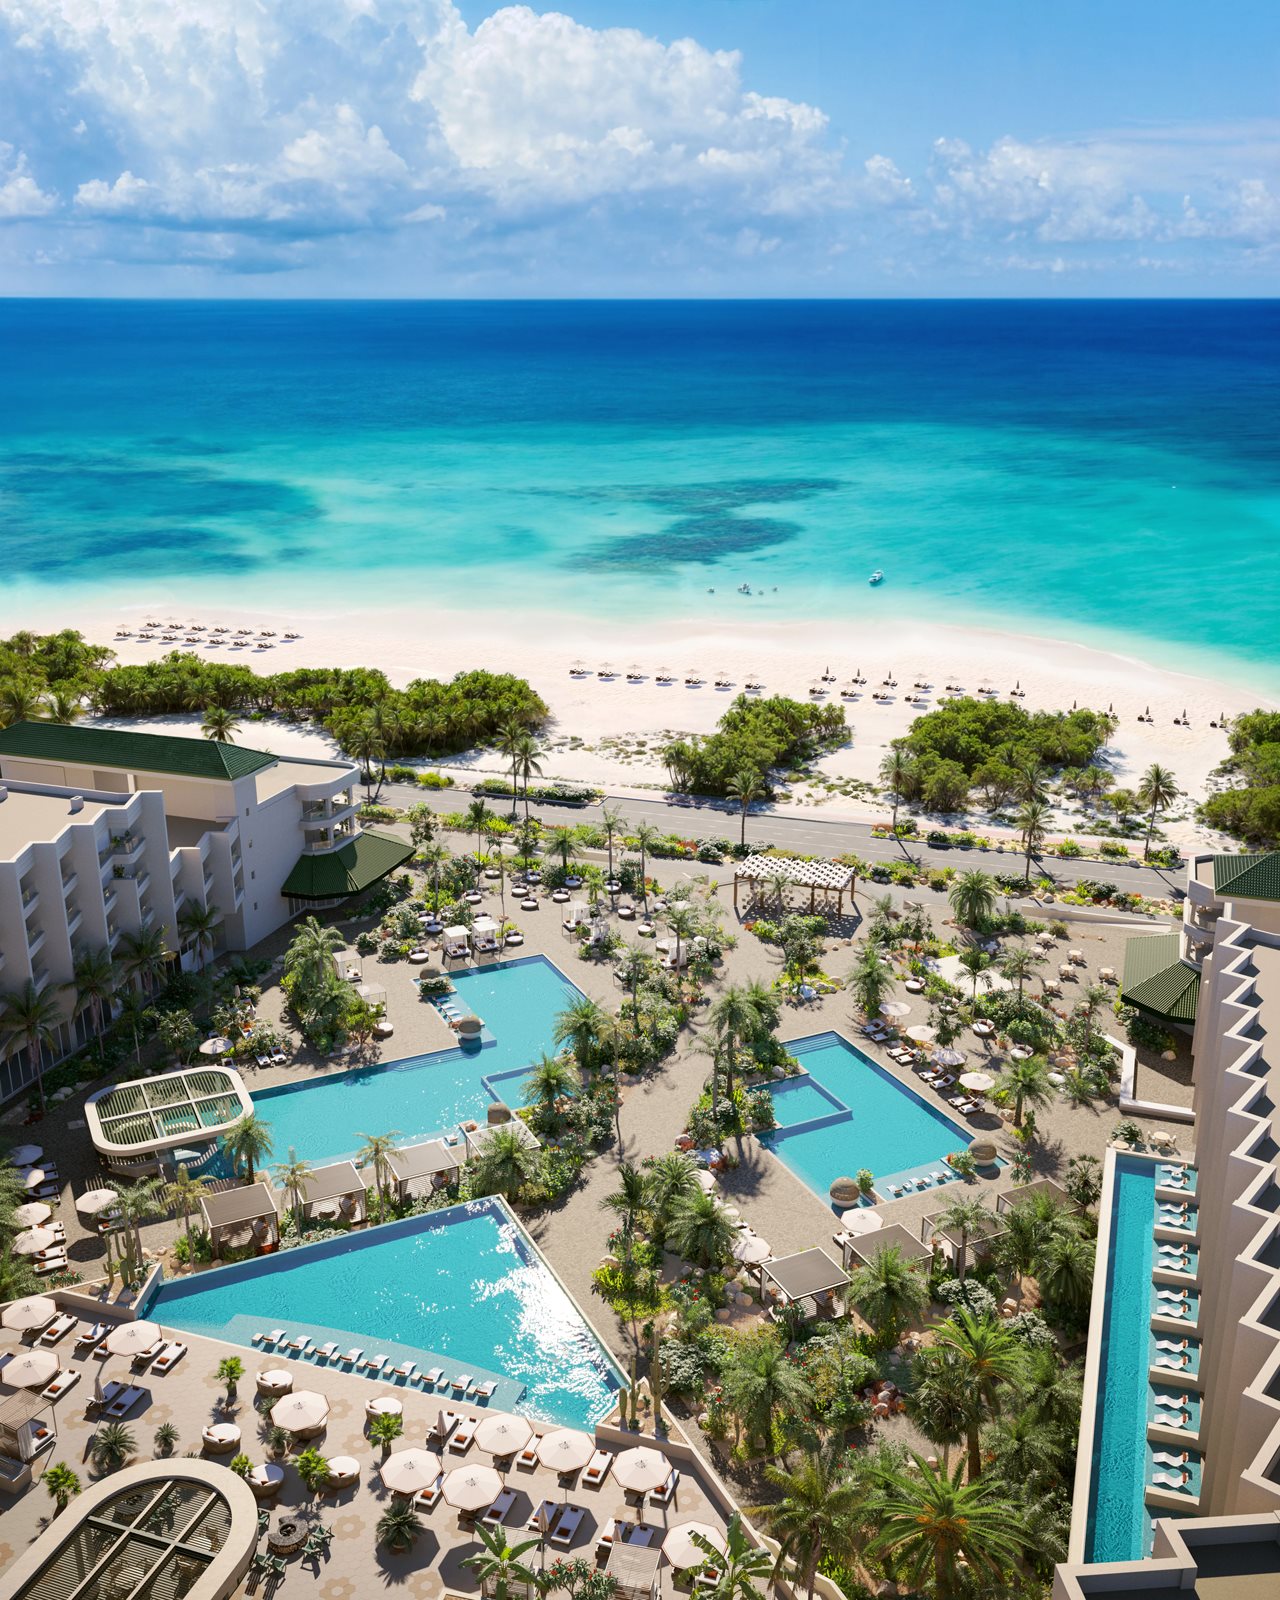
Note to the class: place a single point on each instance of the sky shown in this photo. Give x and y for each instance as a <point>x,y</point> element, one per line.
<point>639,148</point>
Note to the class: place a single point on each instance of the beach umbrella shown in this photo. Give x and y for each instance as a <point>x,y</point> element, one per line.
<point>751,1249</point>
<point>411,1471</point>
<point>566,1450</point>
<point>922,1033</point>
<point>33,1312</point>
<point>32,1214</point>
<point>26,1155</point>
<point>471,1488</point>
<point>219,1045</point>
<point>31,1370</point>
<point>33,1177</point>
<point>503,1435</point>
<point>94,1201</point>
<point>979,1082</point>
<point>131,1337</point>
<point>895,1008</point>
<point>948,1058</point>
<point>297,1412</point>
<point>641,1469</point>
<point>682,1552</point>
<point>862,1220</point>
<point>34,1240</point>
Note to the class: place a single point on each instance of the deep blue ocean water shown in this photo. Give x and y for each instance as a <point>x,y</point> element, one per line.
<point>1096,470</point>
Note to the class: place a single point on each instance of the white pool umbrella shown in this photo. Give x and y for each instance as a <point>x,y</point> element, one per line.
<point>922,1033</point>
<point>641,1469</point>
<point>412,1471</point>
<point>33,1177</point>
<point>219,1045</point>
<point>34,1240</point>
<point>33,1312</point>
<point>30,1370</point>
<point>26,1155</point>
<point>948,1058</point>
<point>895,1008</point>
<point>305,1408</point>
<point>680,1549</point>
<point>472,1488</point>
<point>503,1435</point>
<point>862,1220</point>
<point>980,1082</point>
<point>751,1249</point>
<point>32,1214</point>
<point>566,1450</point>
<point>94,1201</point>
<point>130,1337</point>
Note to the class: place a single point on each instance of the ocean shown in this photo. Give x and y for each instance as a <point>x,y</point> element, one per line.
<point>1102,471</point>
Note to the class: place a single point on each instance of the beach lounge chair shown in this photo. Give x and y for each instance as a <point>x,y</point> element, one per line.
<point>486,1390</point>
<point>938,1177</point>
<point>300,1345</point>
<point>444,1425</point>
<point>373,1363</point>
<point>1173,1419</point>
<point>528,1457</point>
<point>325,1352</point>
<point>895,1191</point>
<point>351,1357</point>
<point>1178,1310</point>
<point>66,1378</point>
<point>1165,1397</point>
<point>544,1517</point>
<point>53,1261</point>
<point>461,1437</point>
<point>463,1381</point>
<point>124,1402</point>
<point>1172,1294</point>
<point>169,1357</point>
<point>1167,1458</point>
<point>598,1469</point>
<point>88,1337</point>
<point>59,1328</point>
<point>279,1057</point>
<point>1168,1344</point>
<point>1173,1362</point>
<point>1174,1183</point>
<point>405,1370</point>
<point>425,1499</point>
<point>496,1515</point>
<point>1166,1480</point>
<point>433,1376</point>
<point>662,1496</point>
<point>142,1357</point>
<point>567,1525</point>
<point>265,1339</point>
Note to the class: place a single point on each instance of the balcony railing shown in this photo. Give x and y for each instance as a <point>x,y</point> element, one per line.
<point>69,881</point>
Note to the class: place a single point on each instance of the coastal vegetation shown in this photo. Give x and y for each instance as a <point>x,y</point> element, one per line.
<point>1248,807</point>
<point>754,740</point>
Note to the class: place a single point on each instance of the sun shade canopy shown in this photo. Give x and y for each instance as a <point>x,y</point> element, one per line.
<point>807,1273</point>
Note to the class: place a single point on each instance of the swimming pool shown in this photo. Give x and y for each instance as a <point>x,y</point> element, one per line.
<point>324,1119</point>
<point>847,1113</point>
<point>1117,1510</point>
<point>462,1288</point>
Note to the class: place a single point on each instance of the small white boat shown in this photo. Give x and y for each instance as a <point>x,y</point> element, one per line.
<point>876,577</point>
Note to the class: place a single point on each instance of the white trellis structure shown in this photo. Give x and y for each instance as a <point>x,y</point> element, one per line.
<point>827,878</point>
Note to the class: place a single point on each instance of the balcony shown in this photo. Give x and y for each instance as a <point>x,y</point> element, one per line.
<point>125,846</point>
<point>69,881</point>
<point>35,939</point>
<point>30,900</point>
<point>40,977</point>
<point>74,921</point>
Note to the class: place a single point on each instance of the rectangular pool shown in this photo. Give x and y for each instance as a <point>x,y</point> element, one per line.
<point>325,1119</point>
<point>1117,1510</point>
<point>462,1288</point>
<point>848,1113</point>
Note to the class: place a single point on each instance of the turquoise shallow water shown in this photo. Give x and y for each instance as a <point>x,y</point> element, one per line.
<point>327,1118</point>
<point>461,1285</point>
<point>1077,468</point>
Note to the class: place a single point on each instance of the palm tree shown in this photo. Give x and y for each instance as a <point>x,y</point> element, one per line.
<point>1032,822</point>
<point>634,966</point>
<point>1018,1247</point>
<point>136,1203</point>
<point>182,1193</point>
<point>1049,1393</point>
<point>63,706</point>
<point>31,1016</point>
<point>1157,792</point>
<point>367,745</point>
<point>309,957</point>
<point>248,1144</point>
<point>745,786</point>
<point>550,1080</point>
<point>499,1564</point>
<point>19,702</point>
<point>646,836</point>
<point>895,771</point>
<point>578,1026</point>
<point>700,1231</point>
<point>941,1401</point>
<point>477,820</point>
<point>398,1526</point>
<point>527,766</point>
<point>1031,781</point>
<point>963,1216</point>
<point>508,743</point>
<point>734,1020</point>
<point>1025,1455</point>
<point>219,724</point>
<point>293,1176</point>
<point>144,956</point>
<point>889,1291</point>
<point>817,1502</point>
<point>932,1525</point>
<point>561,842</point>
<point>505,1164</point>
<point>111,1447</point>
<point>871,980</point>
<point>199,926</point>
<point>432,857</point>
<point>1027,1083</point>
<point>681,918</point>
<point>1017,964</point>
<point>975,962</point>
<point>1065,1269</point>
<point>62,1483</point>
<point>384,1430</point>
<point>742,1565</point>
<point>132,1014</point>
<point>973,898</point>
<point>229,1372</point>
<point>994,1360</point>
<point>1084,1181</point>
<point>375,1152</point>
<point>611,825</point>
<point>93,980</point>
<point>630,1200</point>
<point>672,1179</point>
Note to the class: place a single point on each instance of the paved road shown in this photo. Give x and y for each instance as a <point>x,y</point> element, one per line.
<point>806,835</point>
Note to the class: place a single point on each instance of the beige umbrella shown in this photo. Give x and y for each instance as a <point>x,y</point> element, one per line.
<point>131,1337</point>
<point>502,1435</point>
<point>34,1177</point>
<point>219,1045</point>
<point>32,1214</point>
<point>948,1058</point>
<point>472,1488</point>
<point>862,1220</point>
<point>641,1469</point>
<point>751,1249</point>
<point>303,1409</point>
<point>980,1082</point>
<point>95,1200</point>
<point>30,1370</point>
<point>33,1312</point>
<point>566,1450</point>
<point>34,1240</point>
<point>26,1155</point>
<point>922,1033</point>
<point>895,1008</point>
<point>412,1471</point>
<point>682,1552</point>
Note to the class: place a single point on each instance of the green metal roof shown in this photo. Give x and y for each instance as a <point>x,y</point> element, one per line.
<point>1248,877</point>
<point>368,857</point>
<point>135,752</point>
<point>1157,979</point>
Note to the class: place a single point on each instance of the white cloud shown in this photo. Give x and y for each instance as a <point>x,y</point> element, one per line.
<point>21,197</point>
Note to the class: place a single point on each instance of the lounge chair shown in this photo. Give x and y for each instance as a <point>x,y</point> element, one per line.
<point>486,1390</point>
<point>142,1357</point>
<point>1167,1458</point>
<point>265,1339</point>
<point>279,1057</point>
<point>325,1352</point>
<point>54,1261</point>
<point>432,1376</point>
<point>425,1499</point>
<point>351,1357</point>
<point>567,1525</point>
<point>262,1062</point>
<point>1172,1294</point>
<point>405,1370</point>
<point>598,1469</point>
<point>544,1517</point>
<point>169,1357</point>
<point>90,1337</point>
<point>463,1381</point>
<point>1175,1363</point>
<point>662,1496</point>
<point>373,1363</point>
<point>1173,1419</point>
<point>59,1328</point>
<point>895,1191</point>
<point>444,1425</point>
<point>1165,1397</point>
<point>300,1345</point>
<point>528,1457</point>
<point>1166,1480</point>
<point>66,1378</point>
<point>461,1437</point>
<point>1168,1344</point>
<point>496,1515</point>
<point>938,1177</point>
<point>124,1402</point>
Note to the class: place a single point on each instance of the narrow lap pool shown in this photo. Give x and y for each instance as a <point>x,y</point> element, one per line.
<point>461,1288</point>
<point>849,1113</point>
<point>423,1095</point>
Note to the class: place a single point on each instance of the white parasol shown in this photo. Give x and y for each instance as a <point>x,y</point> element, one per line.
<point>502,1435</point>
<point>30,1370</point>
<point>895,1008</point>
<point>131,1337</point>
<point>472,1488</point>
<point>948,1058</point>
<point>219,1045</point>
<point>751,1249</point>
<point>297,1412</point>
<point>680,1549</point>
<point>566,1450</point>
<point>33,1312</point>
<point>33,1177</point>
<point>26,1155</point>
<point>34,1240</point>
<point>94,1201</point>
<point>641,1469</point>
<point>862,1220</point>
<point>979,1082</point>
<point>922,1033</point>
<point>410,1471</point>
<point>32,1214</point>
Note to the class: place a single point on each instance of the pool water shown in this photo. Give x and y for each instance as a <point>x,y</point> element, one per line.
<point>1117,1514</point>
<point>848,1113</point>
<point>326,1119</point>
<point>464,1286</point>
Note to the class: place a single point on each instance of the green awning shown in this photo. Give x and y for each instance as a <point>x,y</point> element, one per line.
<point>336,873</point>
<point>1158,979</point>
<point>1251,877</point>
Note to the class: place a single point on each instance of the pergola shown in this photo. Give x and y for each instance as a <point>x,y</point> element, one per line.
<point>477,1138</point>
<point>335,1192</point>
<point>825,877</point>
<point>26,1425</point>
<point>807,1275</point>
<point>1025,1191</point>
<point>249,1208</point>
<point>634,1568</point>
<point>423,1163</point>
<point>862,1249</point>
<point>976,1241</point>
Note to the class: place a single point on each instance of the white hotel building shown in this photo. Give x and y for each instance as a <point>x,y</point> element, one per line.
<point>105,833</point>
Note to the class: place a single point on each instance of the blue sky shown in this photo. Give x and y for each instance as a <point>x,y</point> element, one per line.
<point>639,147</point>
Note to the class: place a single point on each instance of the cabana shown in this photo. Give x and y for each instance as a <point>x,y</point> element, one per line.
<point>27,1426</point>
<point>421,1168</point>
<point>1027,1191</point>
<point>249,1209</point>
<point>477,1138</point>
<point>484,936</point>
<point>348,966</point>
<point>827,878</point>
<point>807,1275</point>
<point>950,1241</point>
<point>456,947</point>
<point>373,994</point>
<point>861,1250</point>
<point>331,1194</point>
<point>634,1569</point>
